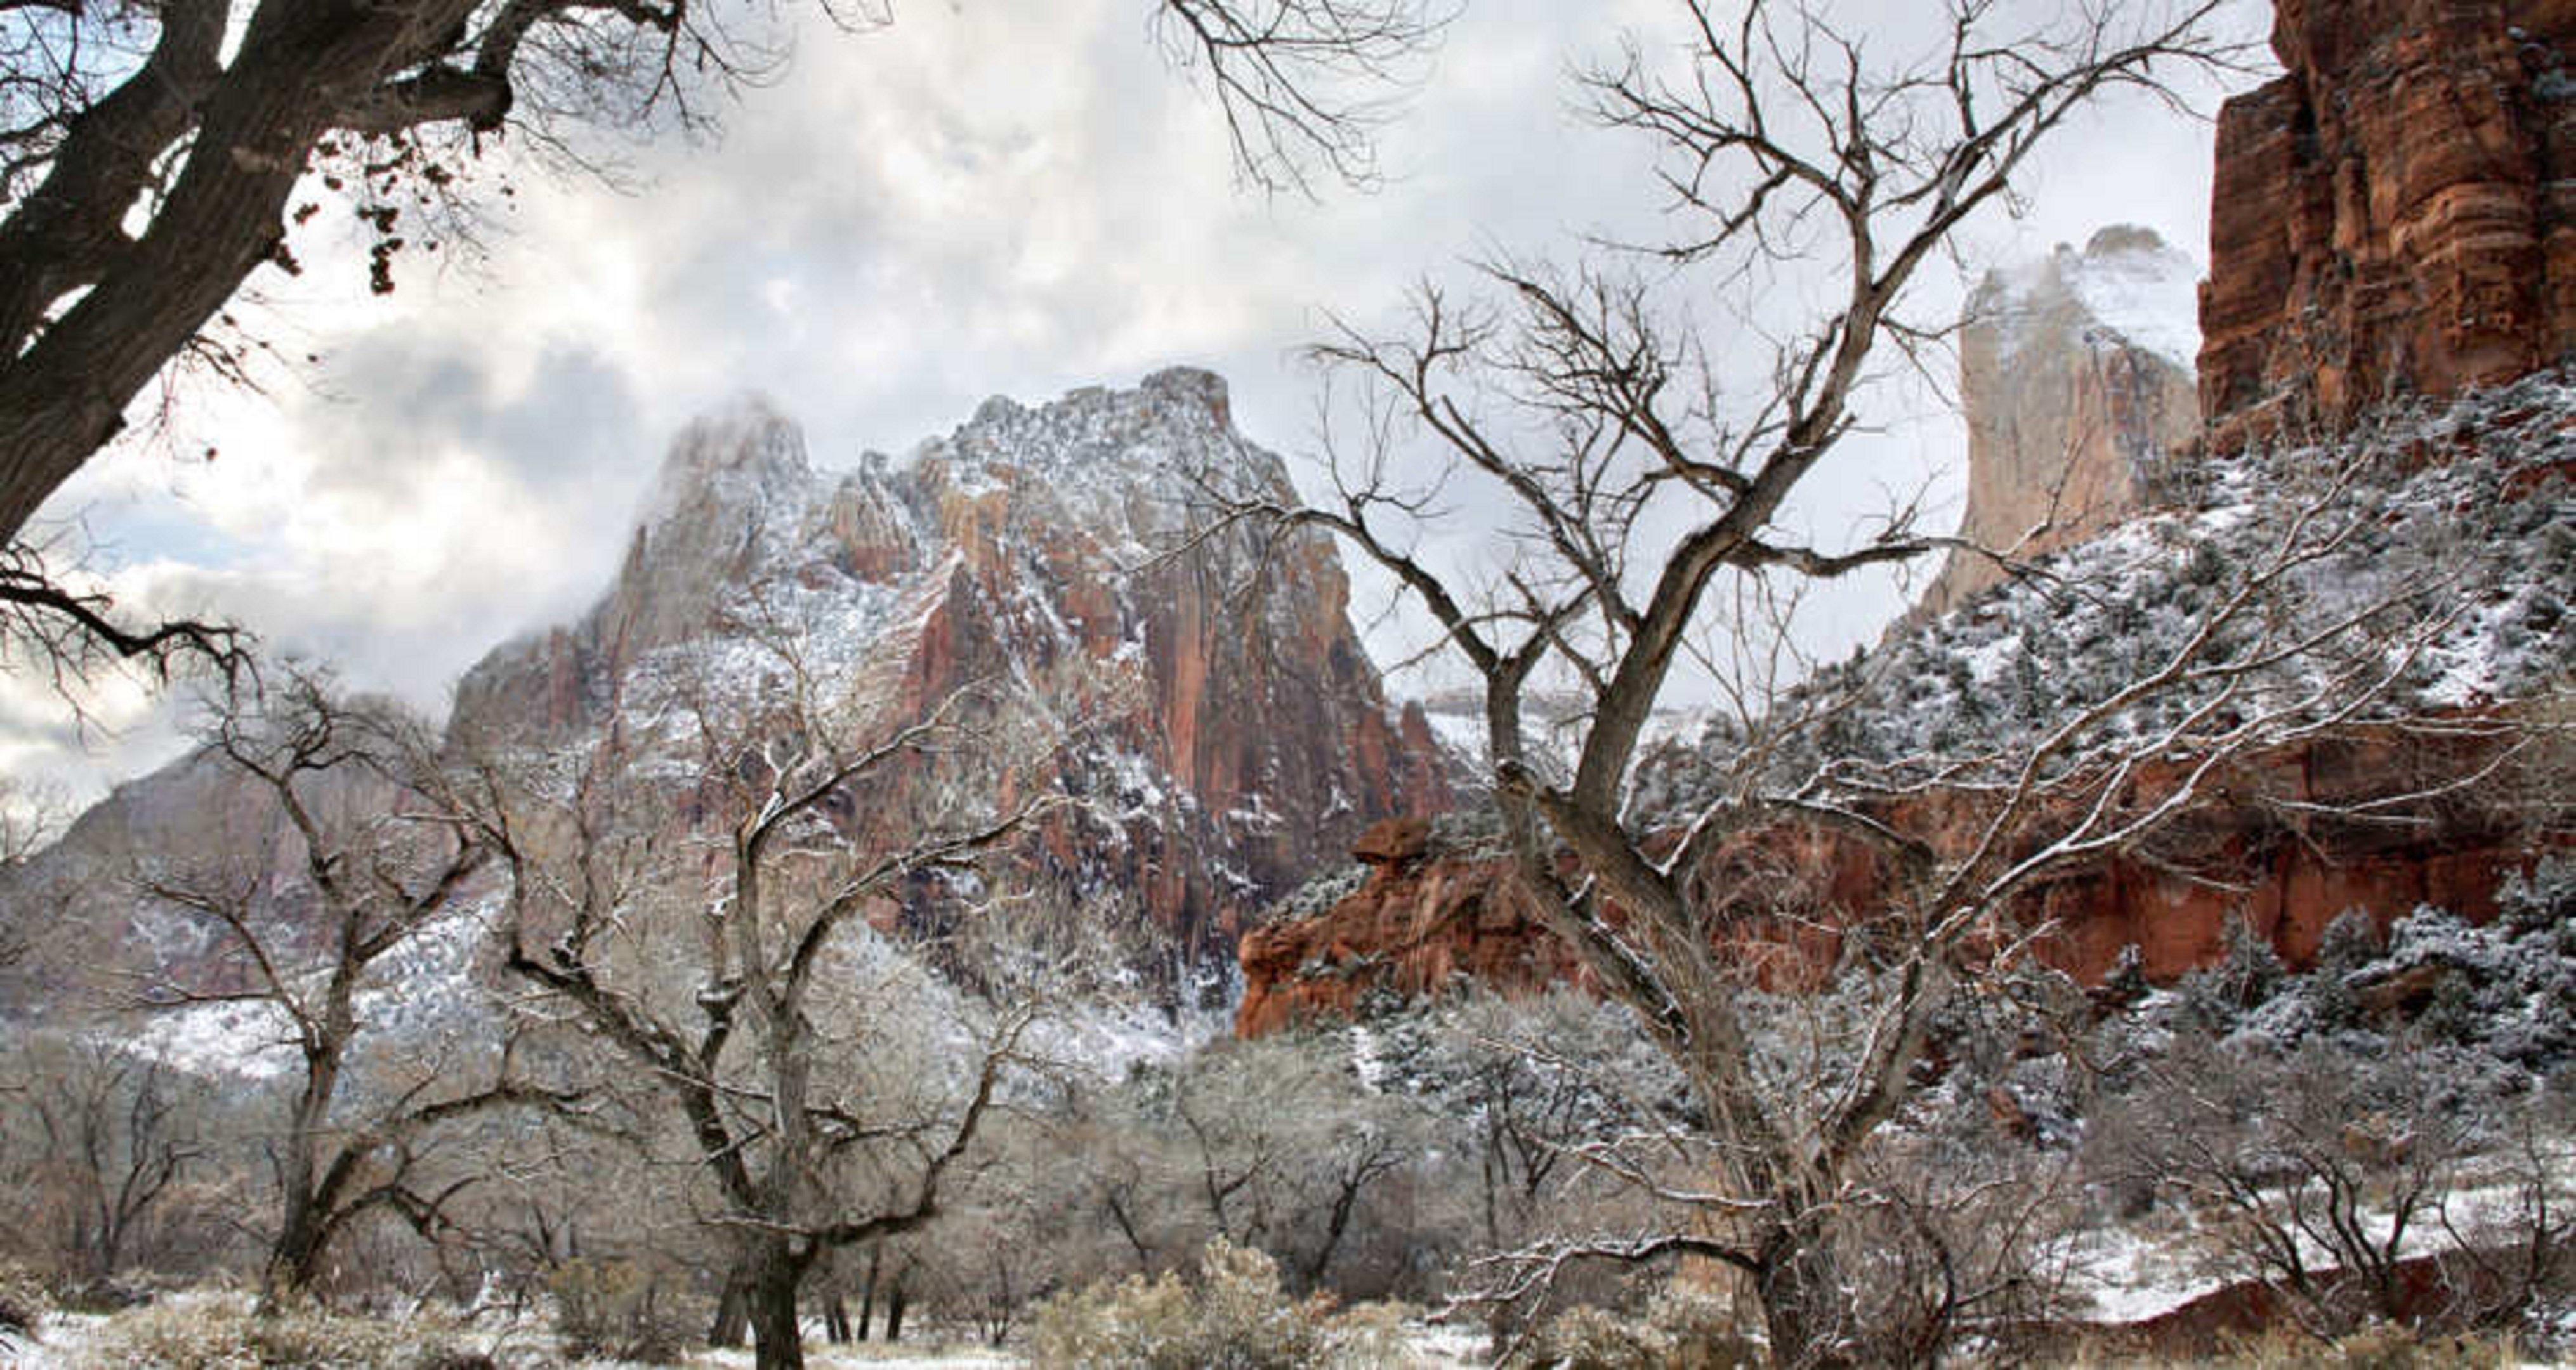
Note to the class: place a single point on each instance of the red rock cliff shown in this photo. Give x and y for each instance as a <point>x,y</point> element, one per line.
<point>2396,214</point>
<point>1246,741</point>
<point>1423,918</point>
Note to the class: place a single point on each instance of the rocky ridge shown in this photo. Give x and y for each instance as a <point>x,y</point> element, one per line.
<point>2394,215</point>
<point>1231,733</point>
<point>1236,736</point>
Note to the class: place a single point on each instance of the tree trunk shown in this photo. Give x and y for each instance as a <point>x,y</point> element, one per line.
<point>295,1263</point>
<point>776,1344</point>
<point>1803,1303</point>
<point>868,1291</point>
<point>733,1311</point>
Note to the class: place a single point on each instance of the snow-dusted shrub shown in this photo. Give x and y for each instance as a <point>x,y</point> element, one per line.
<point>1232,1316</point>
<point>2507,990</point>
<point>2456,561</point>
<point>2543,901</point>
<point>2219,996</point>
<point>202,1335</point>
<point>1318,895</point>
<point>2350,944</point>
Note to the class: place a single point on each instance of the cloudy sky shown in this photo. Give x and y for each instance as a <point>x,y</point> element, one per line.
<point>976,200</point>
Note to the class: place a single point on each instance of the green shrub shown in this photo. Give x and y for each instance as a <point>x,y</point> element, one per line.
<point>204,1334</point>
<point>1233,1316</point>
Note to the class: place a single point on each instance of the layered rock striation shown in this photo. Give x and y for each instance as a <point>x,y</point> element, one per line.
<point>1427,917</point>
<point>2394,215</point>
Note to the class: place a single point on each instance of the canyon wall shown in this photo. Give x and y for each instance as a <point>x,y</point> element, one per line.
<point>2394,215</point>
<point>1429,916</point>
<point>1234,734</point>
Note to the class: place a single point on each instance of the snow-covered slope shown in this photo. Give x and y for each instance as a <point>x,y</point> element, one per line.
<point>2430,559</point>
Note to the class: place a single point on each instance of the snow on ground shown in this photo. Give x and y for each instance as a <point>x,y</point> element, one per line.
<point>875,1357</point>
<point>69,1343</point>
<point>2131,1276</point>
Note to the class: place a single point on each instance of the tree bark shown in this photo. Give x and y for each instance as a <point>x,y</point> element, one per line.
<point>733,1315</point>
<point>770,1299</point>
<point>1800,1287</point>
<point>64,396</point>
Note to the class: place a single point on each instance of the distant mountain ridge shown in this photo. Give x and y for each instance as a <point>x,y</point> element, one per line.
<point>1248,742</point>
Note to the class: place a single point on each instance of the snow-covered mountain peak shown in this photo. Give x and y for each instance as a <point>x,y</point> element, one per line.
<point>2127,280</point>
<point>1132,470</point>
<point>1060,557</point>
<point>748,454</point>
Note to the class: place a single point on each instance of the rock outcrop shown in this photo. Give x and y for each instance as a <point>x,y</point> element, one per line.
<point>2075,373</point>
<point>1208,701</point>
<point>1427,915</point>
<point>2395,215</point>
<point>1236,735</point>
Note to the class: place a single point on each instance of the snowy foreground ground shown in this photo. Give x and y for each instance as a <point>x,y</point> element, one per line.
<point>67,1344</point>
<point>66,1347</point>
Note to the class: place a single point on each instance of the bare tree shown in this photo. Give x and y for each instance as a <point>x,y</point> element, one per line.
<point>154,157</point>
<point>98,1144</point>
<point>31,817</point>
<point>59,624</point>
<point>2319,1175</point>
<point>1646,507</point>
<point>305,928</point>
<point>737,970</point>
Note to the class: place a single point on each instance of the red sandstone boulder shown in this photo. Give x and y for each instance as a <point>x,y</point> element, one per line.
<point>1393,842</point>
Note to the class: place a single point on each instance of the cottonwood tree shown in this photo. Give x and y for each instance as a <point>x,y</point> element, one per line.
<point>339,869</point>
<point>1644,494</point>
<point>1274,1144</point>
<point>97,1143</point>
<point>154,157</point>
<point>696,890</point>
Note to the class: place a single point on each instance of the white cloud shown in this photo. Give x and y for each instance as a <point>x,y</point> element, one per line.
<point>973,201</point>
